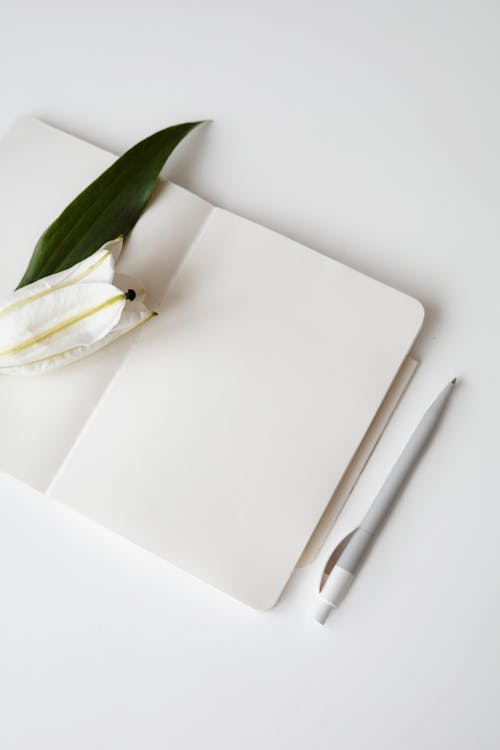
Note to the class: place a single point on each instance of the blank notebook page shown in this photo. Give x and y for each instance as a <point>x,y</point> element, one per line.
<point>222,437</point>
<point>41,170</point>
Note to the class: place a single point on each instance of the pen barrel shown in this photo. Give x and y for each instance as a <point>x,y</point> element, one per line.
<point>356,545</point>
<point>396,479</point>
<point>404,465</point>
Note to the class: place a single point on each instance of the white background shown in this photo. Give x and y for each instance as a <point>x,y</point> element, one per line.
<point>369,130</point>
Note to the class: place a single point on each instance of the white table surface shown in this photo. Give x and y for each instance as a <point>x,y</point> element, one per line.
<point>370,131</point>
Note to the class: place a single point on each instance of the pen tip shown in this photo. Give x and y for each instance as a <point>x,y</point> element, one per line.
<point>453,381</point>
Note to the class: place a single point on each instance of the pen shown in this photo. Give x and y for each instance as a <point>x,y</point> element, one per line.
<point>347,557</point>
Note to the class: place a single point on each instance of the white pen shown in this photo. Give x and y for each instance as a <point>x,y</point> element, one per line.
<point>347,557</point>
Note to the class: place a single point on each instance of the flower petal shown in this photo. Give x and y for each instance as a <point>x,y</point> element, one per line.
<point>100,266</point>
<point>115,248</point>
<point>68,315</point>
<point>77,315</point>
<point>128,322</point>
<point>97,267</point>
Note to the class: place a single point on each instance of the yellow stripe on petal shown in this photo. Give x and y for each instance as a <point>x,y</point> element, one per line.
<point>84,349</point>
<point>62,326</point>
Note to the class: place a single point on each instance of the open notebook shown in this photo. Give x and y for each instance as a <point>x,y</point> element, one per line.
<point>217,434</point>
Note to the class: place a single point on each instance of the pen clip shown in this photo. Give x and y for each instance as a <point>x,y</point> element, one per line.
<point>330,563</point>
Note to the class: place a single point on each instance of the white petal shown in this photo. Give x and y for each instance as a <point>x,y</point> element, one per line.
<point>130,319</point>
<point>100,266</point>
<point>128,322</point>
<point>114,247</point>
<point>75,315</point>
<point>97,267</point>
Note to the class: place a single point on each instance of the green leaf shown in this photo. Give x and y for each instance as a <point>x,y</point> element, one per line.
<point>107,208</point>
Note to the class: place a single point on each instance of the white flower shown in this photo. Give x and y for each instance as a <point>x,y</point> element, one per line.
<point>68,315</point>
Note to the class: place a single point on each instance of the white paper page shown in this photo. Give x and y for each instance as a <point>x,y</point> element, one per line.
<point>244,403</point>
<point>41,171</point>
